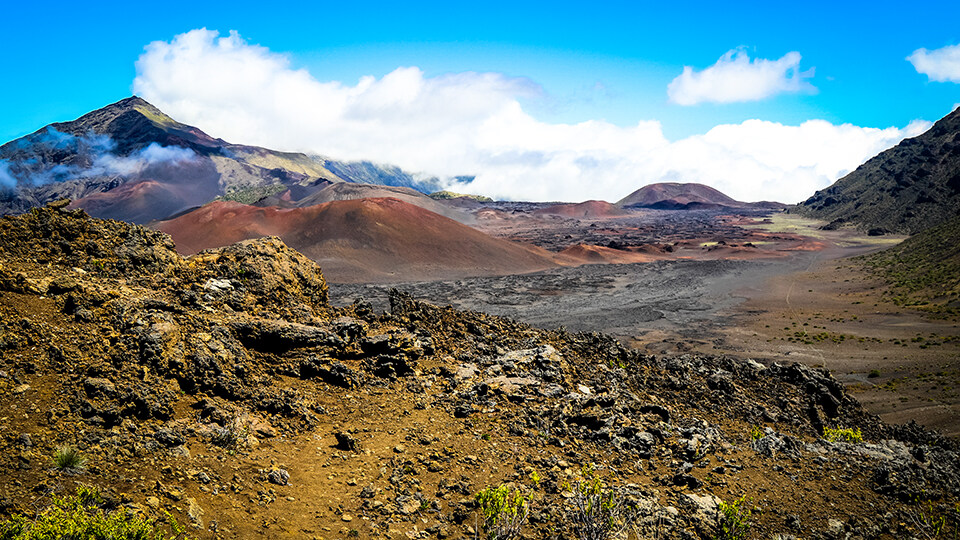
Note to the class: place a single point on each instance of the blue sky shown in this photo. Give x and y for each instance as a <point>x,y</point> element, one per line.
<point>609,62</point>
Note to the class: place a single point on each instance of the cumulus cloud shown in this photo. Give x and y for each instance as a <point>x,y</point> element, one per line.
<point>737,78</point>
<point>940,65</point>
<point>473,124</point>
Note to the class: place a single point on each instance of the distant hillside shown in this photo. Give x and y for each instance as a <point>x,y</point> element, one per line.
<point>445,195</point>
<point>132,162</point>
<point>323,192</point>
<point>587,209</point>
<point>362,240</point>
<point>906,189</point>
<point>924,270</point>
<point>684,196</point>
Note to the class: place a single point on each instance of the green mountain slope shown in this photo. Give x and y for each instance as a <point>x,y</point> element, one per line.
<point>924,270</point>
<point>906,189</point>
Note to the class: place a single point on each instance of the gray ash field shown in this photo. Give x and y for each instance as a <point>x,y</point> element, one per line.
<point>624,300</point>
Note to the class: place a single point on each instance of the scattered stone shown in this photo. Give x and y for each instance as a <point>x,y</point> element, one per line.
<point>279,477</point>
<point>346,441</point>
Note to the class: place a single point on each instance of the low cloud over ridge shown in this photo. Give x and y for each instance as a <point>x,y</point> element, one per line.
<point>94,156</point>
<point>473,124</point>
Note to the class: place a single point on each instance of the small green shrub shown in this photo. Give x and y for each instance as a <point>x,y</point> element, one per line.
<point>756,433</point>
<point>930,521</point>
<point>504,512</point>
<point>599,512</point>
<point>837,434</point>
<point>535,478</point>
<point>68,459</point>
<point>82,517</point>
<point>733,520</point>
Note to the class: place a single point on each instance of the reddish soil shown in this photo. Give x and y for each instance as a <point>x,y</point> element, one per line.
<point>588,209</point>
<point>165,190</point>
<point>325,192</point>
<point>365,240</point>
<point>589,254</point>
<point>672,194</point>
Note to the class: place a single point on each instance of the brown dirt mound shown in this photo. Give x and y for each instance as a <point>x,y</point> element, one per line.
<point>587,209</point>
<point>345,191</point>
<point>589,254</point>
<point>672,195</point>
<point>379,239</point>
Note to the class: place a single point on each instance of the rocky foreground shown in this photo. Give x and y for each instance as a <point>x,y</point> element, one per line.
<point>224,390</point>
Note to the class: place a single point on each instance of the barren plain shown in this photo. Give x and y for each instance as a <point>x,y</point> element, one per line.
<point>794,294</point>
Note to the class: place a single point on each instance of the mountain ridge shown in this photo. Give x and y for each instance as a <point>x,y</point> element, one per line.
<point>905,189</point>
<point>131,142</point>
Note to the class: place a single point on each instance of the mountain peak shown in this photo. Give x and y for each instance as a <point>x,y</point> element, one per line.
<point>104,119</point>
<point>134,123</point>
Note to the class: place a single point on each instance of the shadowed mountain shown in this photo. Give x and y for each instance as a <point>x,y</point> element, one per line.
<point>587,209</point>
<point>906,189</point>
<point>323,192</point>
<point>382,239</point>
<point>130,161</point>
<point>685,196</point>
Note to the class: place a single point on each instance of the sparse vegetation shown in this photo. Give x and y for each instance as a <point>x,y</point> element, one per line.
<point>504,511</point>
<point>68,459</point>
<point>923,271</point>
<point>932,522</point>
<point>442,195</point>
<point>839,434</point>
<point>251,194</point>
<point>85,516</point>
<point>599,511</point>
<point>535,478</point>
<point>733,519</point>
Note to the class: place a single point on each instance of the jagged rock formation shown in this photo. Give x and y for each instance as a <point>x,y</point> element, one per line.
<point>906,189</point>
<point>224,389</point>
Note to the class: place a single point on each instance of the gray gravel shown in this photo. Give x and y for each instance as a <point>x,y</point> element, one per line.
<point>624,300</point>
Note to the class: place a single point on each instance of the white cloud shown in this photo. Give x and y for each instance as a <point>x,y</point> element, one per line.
<point>137,162</point>
<point>6,179</point>
<point>473,124</point>
<point>940,65</point>
<point>737,78</point>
